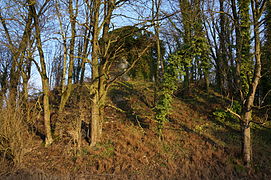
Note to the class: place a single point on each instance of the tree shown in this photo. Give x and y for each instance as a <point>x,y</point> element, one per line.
<point>127,43</point>
<point>194,48</point>
<point>26,72</point>
<point>101,60</point>
<point>265,85</point>
<point>65,47</point>
<point>17,53</point>
<point>98,88</point>
<point>42,71</point>
<point>187,20</point>
<point>222,50</point>
<point>5,66</point>
<point>194,43</point>
<point>257,10</point>
<point>156,10</point>
<point>67,91</point>
<point>248,81</point>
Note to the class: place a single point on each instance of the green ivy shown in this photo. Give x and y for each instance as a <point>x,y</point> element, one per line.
<point>174,68</point>
<point>246,57</point>
<point>167,88</point>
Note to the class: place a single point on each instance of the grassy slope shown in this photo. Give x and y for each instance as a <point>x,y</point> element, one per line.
<point>196,144</point>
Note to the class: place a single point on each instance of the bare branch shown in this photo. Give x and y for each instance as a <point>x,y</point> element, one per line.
<point>234,113</point>
<point>132,65</point>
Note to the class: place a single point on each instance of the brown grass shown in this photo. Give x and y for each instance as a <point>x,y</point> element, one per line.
<point>195,146</point>
<point>15,138</point>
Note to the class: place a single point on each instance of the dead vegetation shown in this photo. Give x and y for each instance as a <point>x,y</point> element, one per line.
<point>196,144</point>
<point>15,134</point>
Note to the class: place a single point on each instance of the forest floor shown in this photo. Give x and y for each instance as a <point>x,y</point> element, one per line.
<point>199,142</point>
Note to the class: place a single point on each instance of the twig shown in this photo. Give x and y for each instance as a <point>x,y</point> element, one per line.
<point>262,107</point>
<point>259,123</point>
<point>118,109</point>
<point>265,96</point>
<point>139,124</point>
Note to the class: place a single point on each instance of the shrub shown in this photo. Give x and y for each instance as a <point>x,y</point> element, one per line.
<point>14,136</point>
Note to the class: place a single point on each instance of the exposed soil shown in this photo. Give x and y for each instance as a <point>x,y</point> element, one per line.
<point>195,145</point>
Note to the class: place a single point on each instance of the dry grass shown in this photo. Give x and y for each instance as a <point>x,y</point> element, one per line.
<point>15,138</point>
<point>195,146</point>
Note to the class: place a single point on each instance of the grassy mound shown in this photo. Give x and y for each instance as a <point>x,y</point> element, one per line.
<point>200,141</point>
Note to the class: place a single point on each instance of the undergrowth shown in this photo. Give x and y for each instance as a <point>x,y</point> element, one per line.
<point>15,138</point>
<point>201,139</point>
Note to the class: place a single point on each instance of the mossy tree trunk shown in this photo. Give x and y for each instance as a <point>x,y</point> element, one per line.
<point>223,50</point>
<point>156,4</point>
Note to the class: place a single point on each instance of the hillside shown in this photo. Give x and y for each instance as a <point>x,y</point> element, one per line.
<point>200,141</point>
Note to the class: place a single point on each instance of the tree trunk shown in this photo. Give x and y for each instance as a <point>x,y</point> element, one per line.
<point>95,121</point>
<point>16,66</point>
<point>187,81</point>
<point>102,98</point>
<point>85,52</point>
<point>66,94</point>
<point>247,111</point>
<point>26,73</point>
<point>223,50</point>
<point>247,149</point>
<point>47,113</point>
<point>25,91</point>
<point>237,73</point>
<point>95,118</point>
<point>64,72</point>
<point>45,80</point>
<point>207,81</point>
<point>3,84</point>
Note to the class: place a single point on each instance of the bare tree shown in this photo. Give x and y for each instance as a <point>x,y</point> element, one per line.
<point>42,71</point>
<point>17,60</point>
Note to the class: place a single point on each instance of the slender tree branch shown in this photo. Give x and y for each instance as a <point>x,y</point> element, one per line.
<point>234,113</point>
<point>130,67</point>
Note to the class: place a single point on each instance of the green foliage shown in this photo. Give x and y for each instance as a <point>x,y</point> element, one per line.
<point>201,128</point>
<point>127,43</point>
<point>167,88</point>
<point>228,118</point>
<point>105,150</point>
<point>265,83</point>
<point>108,152</point>
<point>236,107</point>
<point>202,53</point>
<point>240,168</point>
<point>198,48</point>
<point>195,47</point>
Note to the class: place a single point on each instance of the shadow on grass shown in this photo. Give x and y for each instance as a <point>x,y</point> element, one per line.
<point>36,131</point>
<point>262,133</point>
<point>227,131</point>
<point>120,96</point>
<point>206,139</point>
